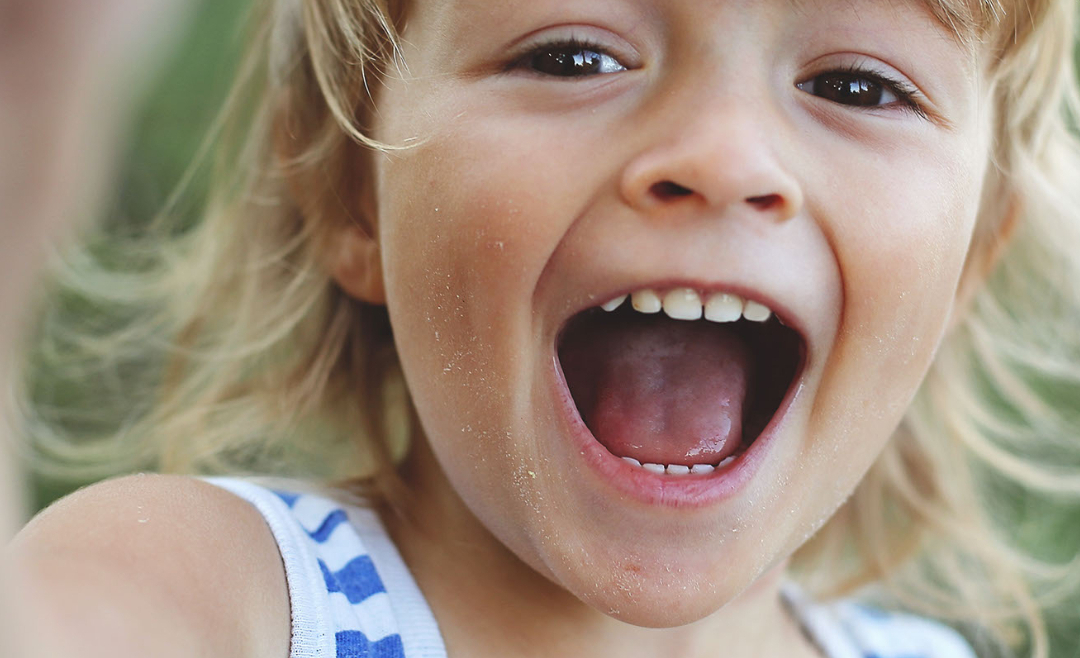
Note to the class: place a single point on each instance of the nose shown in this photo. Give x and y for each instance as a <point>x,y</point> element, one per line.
<point>719,160</point>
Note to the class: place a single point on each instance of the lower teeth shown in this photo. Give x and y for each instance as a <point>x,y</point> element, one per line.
<point>680,469</point>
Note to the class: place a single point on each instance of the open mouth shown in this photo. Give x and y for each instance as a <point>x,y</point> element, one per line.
<point>678,382</point>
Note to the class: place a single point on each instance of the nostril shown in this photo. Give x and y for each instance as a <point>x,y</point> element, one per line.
<point>668,190</point>
<point>767,202</point>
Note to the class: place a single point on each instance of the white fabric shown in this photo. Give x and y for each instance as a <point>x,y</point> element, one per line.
<point>311,636</point>
<point>846,629</point>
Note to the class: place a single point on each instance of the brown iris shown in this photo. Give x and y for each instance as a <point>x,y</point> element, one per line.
<point>849,89</point>
<point>567,61</point>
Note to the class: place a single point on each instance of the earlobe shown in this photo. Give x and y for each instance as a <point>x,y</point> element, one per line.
<point>357,266</point>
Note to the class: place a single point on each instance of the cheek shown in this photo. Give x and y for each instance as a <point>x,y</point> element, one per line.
<point>901,252</point>
<point>482,209</point>
<point>453,256</point>
<point>468,220</point>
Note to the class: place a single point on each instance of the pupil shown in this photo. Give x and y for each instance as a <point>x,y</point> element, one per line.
<point>849,89</point>
<point>567,62</point>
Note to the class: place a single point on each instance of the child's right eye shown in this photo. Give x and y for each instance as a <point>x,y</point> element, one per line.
<point>568,59</point>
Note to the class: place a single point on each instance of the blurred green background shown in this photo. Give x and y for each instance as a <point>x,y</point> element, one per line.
<point>178,109</point>
<point>170,126</point>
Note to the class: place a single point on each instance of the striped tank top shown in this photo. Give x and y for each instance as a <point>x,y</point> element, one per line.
<point>352,596</point>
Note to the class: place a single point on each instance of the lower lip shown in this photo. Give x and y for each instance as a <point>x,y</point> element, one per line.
<point>672,491</point>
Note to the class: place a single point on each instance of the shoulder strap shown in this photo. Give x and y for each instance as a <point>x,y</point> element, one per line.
<point>846,629</point>
<point>340,607</point>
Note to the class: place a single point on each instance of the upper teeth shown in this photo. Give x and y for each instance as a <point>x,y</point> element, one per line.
<point>686,304</point>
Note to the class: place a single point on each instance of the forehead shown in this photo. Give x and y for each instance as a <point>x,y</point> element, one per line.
<point>964,20</point>
<point>451,27</point>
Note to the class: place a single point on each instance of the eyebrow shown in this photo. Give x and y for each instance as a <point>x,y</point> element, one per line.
<point>962,25</point>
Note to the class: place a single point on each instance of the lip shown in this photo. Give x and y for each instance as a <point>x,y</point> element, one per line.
<point>668,491</point>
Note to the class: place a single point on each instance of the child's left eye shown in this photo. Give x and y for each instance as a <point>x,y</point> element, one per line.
<point>860,89</point>
<point>568,59</point>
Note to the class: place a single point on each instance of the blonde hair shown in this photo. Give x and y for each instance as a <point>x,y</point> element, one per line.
<point>235,350</point>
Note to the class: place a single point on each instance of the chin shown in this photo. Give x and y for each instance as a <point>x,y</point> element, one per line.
<point>660,607</point>
<point>664,594</point>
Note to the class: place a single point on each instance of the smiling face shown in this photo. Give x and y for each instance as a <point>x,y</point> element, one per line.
<point>822,158</point>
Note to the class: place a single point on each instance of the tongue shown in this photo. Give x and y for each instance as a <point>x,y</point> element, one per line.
<point>659,390</point>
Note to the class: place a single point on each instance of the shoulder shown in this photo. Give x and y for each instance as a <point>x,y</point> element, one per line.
<point>190,552</point>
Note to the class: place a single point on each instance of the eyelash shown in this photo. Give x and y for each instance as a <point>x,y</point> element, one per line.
<point>524,62</point>
<point>907,96</point>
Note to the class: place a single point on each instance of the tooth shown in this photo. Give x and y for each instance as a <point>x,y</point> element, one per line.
<point>646,301</point>
<point>653,468</point>
<point>613,304</point>
<point>722,307</point>
<point>756,312</point>
<point>726,461</point>
<point>701,469</point>
<point>677,469</point>
<point>682,304</point>
<point>631,460</point>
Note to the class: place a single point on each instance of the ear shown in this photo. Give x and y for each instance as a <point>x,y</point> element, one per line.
<point>331,185</point>
<point>987,247</point>
<point>355,260</point>
<point>357,265</point>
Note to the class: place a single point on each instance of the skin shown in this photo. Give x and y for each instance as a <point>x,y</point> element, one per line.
<point>526,198</point>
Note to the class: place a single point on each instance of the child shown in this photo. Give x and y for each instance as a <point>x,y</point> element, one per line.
<point>621,304</point>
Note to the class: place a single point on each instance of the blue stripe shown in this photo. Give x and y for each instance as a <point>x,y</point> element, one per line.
<point>333,520</point>
<point>357,580</point>
<point>289,498</point>
<point>354,644</point>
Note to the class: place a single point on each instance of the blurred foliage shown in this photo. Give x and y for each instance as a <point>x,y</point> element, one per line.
<point>178,110</point>
<point>167,131</point>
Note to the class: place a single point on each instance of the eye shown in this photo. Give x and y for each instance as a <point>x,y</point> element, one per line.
<point>569,59</point>
<point>858,88</point>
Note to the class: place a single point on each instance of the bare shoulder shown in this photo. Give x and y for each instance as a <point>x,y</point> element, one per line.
<point>154,556</point>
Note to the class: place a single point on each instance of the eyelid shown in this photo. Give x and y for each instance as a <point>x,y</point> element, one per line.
<point>862,65</point>
<point>906,92</point>
<point>598,39</point>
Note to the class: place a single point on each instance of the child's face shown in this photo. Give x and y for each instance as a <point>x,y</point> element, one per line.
<point>568,153</point>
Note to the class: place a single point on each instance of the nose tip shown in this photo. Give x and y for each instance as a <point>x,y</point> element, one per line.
<point>722,168</point>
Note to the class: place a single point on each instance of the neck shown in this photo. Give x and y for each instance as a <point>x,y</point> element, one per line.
<point>488,602</point>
